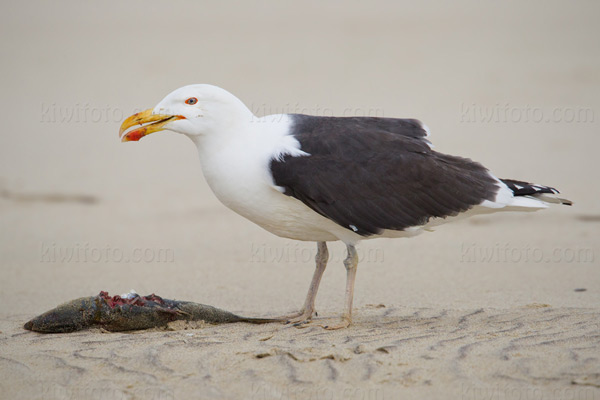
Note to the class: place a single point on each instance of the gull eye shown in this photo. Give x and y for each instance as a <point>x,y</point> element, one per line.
<point>191,101</point>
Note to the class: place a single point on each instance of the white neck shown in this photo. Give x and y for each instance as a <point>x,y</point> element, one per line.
<point>233,160</point>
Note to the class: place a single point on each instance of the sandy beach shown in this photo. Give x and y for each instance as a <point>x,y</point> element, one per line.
<point>502,306</point>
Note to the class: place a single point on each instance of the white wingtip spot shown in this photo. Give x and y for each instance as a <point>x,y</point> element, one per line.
<point>425,128</point>
<point>427,134</point>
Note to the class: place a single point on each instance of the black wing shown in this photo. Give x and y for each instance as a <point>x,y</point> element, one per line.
<point>370,174</point>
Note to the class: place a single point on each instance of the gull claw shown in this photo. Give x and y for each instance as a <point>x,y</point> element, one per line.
<point>301,316</point>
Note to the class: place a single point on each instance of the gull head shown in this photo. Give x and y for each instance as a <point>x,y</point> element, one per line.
<point>193,110</point>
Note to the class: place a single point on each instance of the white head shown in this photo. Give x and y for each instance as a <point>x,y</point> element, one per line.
<point>194,110</point>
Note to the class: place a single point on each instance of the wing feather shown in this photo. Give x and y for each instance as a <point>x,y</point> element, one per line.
<point>378,173</point>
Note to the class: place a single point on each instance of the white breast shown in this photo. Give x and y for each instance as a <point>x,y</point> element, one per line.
<point>238,173</point>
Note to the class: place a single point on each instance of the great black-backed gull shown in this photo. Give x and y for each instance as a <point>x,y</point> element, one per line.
<point>323,179</point>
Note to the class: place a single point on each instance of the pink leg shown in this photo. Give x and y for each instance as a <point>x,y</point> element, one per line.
<point>308,308</point>
<point>351,264</point>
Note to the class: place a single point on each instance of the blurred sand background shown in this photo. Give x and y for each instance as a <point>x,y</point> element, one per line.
<point>502,306</point>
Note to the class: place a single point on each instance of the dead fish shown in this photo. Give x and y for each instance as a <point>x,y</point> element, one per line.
<point>128,312</point>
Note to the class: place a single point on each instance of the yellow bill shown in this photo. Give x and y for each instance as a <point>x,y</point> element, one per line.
<point>149,123</point>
